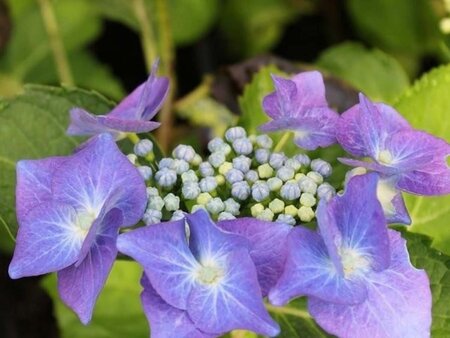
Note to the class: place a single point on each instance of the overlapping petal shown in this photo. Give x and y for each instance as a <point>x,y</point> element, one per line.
<point>299,105</point>
<point>163,251</point>
<point>309,271</point>
<point>48,240</point>
<point>87,180</point>
<point>132,114</point>
<point>268,248</point>
<point>398,304</point>
<point>80,284</point>
<point>165,320</point>
<point>34,181</point>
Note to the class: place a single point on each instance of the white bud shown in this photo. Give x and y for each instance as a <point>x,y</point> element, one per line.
<point>264,141</point>
<point>184,152</point>
<point>177,215</point>
<point>325,191</point>
<point>290,191</point>
<point>322,167</point>
<point>274,183</point>
<point>262,156</point>
<point>155,203</point>
<point>171,202</point>
<point>216,159</point>
<point>166,177</point>
<point>315,176</point>
<point>234,175</point>
<point>240,190</point>
<point>232,207</point>
<point>293,163</point>
<point>306,184</point>
<point>286,219</point>
<point>208,184</point>
<point>277,160</point>
<point>242,146</point>
<point>235,133</point>
<point>242,163</point>
<point>152,217</point>
<point>215,144</point>
<point>151,191</point>
<point>303,159</point>
<point>132,158</point>
<point>145,171</point>
<point>260,191</point>
<point>252,176</point>
<point>285,173</point>
<point>166,162</point>
<point>190,190</point>
<point>215,206</point>
<point>189,176</point>
<point>143,148</point>
<point>224,216</point>
<point>206,169</point>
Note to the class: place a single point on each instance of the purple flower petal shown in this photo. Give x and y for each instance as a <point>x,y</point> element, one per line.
<point>163,252</point>
<point>422,160</point>
<point>364,128</point>
<point>165,320</point>
<point>398,303</point>
<point>48,240</point>
<point>267,246</point>
<point>207,241</point>
<point>235,302</point>
<point>80,284</point>
<point>99,173</point>
<point>310,271</point>
<point>300,105</point>
<point>34,181</point>
<point>392,202</point>
<point>132,114</point>
<point>387,171</point>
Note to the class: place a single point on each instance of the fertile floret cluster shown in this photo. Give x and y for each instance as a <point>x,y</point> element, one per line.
<point>242,176</point>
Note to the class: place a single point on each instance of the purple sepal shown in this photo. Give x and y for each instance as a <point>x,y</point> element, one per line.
<point>212,277</point>
<point>80,284</point>
<point>34,183</point>
<point>300,105</point>
<point>132,114</point>
<point>165,320</point>
<point>309,272</point>
<point>398,302</point>
<point>267,246</point>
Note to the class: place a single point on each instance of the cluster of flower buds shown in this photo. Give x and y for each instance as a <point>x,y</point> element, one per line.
<point>241,176</point>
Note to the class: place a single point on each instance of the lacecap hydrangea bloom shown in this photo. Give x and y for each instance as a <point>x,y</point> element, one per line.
<point>70,210</point>
<point>220,235</point>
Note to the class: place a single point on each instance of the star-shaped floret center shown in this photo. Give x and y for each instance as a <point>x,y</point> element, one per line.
<point>209,274</point>
<point>84,221</point>
<point>385,157</point>
<point>354,263</point>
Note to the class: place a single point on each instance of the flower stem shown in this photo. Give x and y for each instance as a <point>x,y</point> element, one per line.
<point>167,56</point>
<point>282,142</point>
<point>133,137</point>
<point>56,43</point>
<point>147,35</point>
<point>198,93</point>
<point>7,229</point>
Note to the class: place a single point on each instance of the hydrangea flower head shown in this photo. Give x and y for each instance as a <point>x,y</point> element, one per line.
<point>70,210</point>
<point>211,276</point>
<point>132,114</point>
<point>299,105</point>
<point>356,272</point>
<point>413,159</point>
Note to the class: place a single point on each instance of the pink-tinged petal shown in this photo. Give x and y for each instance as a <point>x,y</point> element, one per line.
<point>100,173</point>
<point>165,320</point>
<point>316,128</point>
<point>163,251</point>
<point>207,241</point>
<point>48,240</point>
<point>309,271</point>
<point>398,303</point>
<point>79,285</point>
<point>145,101</point>
<point>364,128</point>
<point>422,160</point>
<point>267,246</point>
<point>34,181</point>
<point>360,219</point>
<point>392,202</point>
<point>235,302</point>
<point>86,124</point>
<point>310,89</point>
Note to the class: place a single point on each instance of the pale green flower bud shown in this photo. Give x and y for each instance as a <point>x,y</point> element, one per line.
<point>155,203</point>
<point>307,200</point>
<point>256,209</point>
<point>171,202</point>
<point>306,214</point>
<point>315,176</point>
<point>274,183</point>
<point>291,210</point>
<point>189,176</point>
<point>265,215</point>
<point>232,207</point>
<point>203,198</point>
<point>225,167</point>
<point>265,171</point>
<point>225,216</point>
<point>276,206</point>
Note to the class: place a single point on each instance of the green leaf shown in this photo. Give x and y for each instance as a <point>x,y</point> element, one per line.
<point>207,112</point>
<point>32,126</point>
<point>426,105</point>
<point>372,71</point>
<point>295,321</point>
<point>29,44</point>
<point>254,26</point>
<point>402,25</point>
<point>437,266</point>
<point>118,312</point>
<point>250,102</point>
<point>189,19</point>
